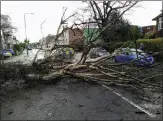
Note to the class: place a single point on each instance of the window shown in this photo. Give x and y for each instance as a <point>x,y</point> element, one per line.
<point>148,28</point>
<point>160,23</point>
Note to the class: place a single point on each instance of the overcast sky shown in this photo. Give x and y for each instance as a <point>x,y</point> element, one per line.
<point>52,11</point>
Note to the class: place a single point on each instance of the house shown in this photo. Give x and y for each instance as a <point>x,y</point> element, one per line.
<point>71,36</point>
<point>78,35</point>
<point>150,28</point>
<point>9,41</point>
<point>7,31</point>
<point>159,25</point>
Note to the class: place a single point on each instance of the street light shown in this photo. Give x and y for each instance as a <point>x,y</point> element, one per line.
<point>25,27</point>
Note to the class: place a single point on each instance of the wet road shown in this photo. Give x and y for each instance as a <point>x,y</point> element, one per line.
<point>71,100</point>
<point>26,59</point>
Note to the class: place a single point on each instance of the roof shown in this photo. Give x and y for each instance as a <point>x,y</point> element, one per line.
<point>149,26</point>
<point>160,15</point>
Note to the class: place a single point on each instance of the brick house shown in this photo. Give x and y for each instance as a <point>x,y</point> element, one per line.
<point>159,25</point>
<point>71,36</point>
<point>151,28</point>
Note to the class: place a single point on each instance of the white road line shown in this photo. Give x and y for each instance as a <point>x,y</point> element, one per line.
<point>131,102</point>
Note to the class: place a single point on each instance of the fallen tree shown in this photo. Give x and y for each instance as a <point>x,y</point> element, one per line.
<point>100,70</point>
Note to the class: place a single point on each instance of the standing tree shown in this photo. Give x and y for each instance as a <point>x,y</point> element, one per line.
<point>6,25</point>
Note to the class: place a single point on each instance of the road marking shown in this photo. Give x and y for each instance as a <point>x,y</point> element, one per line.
<point>131,102</point>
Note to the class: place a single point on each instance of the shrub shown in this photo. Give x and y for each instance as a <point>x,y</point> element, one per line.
<point>149,35</point>
<point>154,45</point>
<point>151,45</point>
<point>18,48</point>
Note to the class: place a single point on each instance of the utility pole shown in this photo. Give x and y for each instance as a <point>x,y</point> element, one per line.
<point>2,40</point>
<point>26,28</point>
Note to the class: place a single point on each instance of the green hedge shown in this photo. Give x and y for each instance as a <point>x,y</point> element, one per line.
<point>149,35</point>
<point>155,45</point>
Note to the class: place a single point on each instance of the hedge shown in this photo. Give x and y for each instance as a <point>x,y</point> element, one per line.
<point>149,35</point>
<point>154,45</point>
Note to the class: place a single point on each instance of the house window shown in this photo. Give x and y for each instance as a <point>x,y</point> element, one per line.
<point>160,23</point>
<point>148,28</point>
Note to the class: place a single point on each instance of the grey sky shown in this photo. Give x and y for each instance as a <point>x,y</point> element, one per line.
<point>52,11</point>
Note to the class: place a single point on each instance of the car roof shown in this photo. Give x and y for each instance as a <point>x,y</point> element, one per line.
<point>131,49</point>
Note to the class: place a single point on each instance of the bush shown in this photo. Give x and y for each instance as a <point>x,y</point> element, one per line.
<point>149,35</point>
<point>151,45</point>
<point>18,48</point>
<point>154,45</point>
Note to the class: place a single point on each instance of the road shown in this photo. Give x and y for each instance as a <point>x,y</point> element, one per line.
<point>71,100</point>
<point>74,100</point>
<point>24,58</point>
<point>27,59</point>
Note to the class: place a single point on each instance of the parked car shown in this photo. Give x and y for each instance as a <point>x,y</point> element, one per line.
<point>5,53</point>
<point>127,55</point>
<point>63,53</point>
<point>29,47</point>
<point>11,51</point>
<point>97,52</point>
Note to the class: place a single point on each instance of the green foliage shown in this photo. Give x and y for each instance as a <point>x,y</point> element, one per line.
<point>118,31</point>
<point>90,34</point>
<point>18,48</point>
<point>26,42</point>
<point>155,45</point>
<point>149,35</point>
<point>136,33</point>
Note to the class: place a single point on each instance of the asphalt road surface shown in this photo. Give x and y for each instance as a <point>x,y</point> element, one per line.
<point>24,58</point>
<point>71,100</point>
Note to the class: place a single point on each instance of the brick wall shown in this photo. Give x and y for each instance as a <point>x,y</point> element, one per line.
<point>149,28</point>
<point>74,35</point>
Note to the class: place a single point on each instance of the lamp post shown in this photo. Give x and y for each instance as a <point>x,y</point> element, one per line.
<point>25,28</point>
<point>1,43</point>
